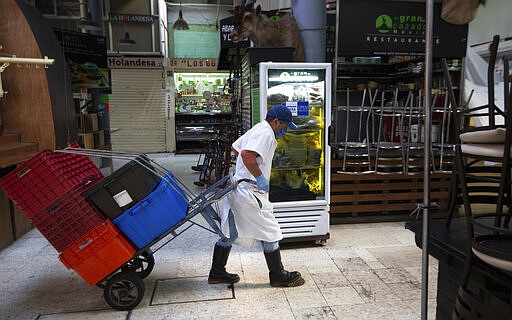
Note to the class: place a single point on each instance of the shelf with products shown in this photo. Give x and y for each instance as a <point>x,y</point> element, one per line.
<point>203,108</point>
<point>369,102</point>
<point>379,119</point>
<point>92,119</point>
<point>203,119</point>
<point>195,129</point>
<point>195,83</point>
<point>299,163</point>
<point>350,74</point>
<point>203,113</point>
<point>207,103</point>
<point>296,183</point>
<point>93,122</point>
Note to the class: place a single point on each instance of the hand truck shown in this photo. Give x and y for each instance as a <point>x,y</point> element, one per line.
<point>124,288</point>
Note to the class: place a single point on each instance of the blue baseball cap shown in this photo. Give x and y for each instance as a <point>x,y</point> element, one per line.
<point>282,113</point>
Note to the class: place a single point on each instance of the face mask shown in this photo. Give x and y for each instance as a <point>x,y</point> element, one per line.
<point>281,133</point>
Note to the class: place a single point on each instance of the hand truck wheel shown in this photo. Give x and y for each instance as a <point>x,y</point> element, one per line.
<point>142,265</point>
<point>124,291</point>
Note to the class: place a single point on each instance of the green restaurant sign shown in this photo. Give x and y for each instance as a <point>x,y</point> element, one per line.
<point>395,28</point>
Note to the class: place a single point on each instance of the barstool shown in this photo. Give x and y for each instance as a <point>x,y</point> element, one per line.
<point>389,153</point>
<point>356,151</point>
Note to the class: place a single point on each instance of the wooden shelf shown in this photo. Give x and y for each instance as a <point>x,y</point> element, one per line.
<point>203,113</point>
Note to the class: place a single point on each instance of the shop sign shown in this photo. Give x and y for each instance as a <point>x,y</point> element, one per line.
<point>227,25</point>
<point>376,27</point>
<point>134,63</point>
<point>193,64</point>
<point>132,18</point>
<point>86,59</point>
<point>298,108</point>
<point>170,109</point>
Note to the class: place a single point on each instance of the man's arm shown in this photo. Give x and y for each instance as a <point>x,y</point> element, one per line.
<point>249,159</point>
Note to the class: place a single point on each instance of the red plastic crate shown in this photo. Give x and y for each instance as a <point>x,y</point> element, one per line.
<point>68,219</point>
<point>98,254</point>
<point>38,182</point>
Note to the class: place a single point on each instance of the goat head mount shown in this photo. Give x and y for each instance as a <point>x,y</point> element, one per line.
<point>252,23</point>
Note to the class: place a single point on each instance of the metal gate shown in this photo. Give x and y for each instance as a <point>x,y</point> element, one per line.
<point>138,110</point>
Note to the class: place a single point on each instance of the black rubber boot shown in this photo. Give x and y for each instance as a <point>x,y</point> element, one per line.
<point>218,273</point>
<point>278,276</point>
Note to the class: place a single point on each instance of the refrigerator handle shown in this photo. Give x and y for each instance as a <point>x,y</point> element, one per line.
<point>330,135</point>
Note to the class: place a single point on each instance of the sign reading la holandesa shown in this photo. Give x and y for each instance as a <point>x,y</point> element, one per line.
<point>377,27</point>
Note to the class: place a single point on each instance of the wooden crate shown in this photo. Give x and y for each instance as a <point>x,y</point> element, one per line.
<point>385,196</point>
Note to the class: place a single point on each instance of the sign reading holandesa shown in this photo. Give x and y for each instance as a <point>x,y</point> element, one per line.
<point>376,27</point>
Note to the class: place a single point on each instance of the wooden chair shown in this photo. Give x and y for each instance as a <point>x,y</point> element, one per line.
<point>479,193</point>
<point>489,233</point>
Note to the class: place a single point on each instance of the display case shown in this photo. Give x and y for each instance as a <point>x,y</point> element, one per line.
<point>299,183</point>
<point>203,109</point>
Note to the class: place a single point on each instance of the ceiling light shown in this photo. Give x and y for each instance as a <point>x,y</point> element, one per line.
<point>180,24</point>
<point>126,40</point>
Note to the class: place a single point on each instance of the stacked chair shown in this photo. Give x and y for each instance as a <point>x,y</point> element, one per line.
<point>482,157</point>
<point>479,193</point>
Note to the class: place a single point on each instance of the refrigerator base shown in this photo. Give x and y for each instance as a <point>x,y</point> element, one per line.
<point>318,239</point>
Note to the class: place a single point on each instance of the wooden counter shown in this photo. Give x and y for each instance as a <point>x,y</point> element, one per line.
<point>378,197</point>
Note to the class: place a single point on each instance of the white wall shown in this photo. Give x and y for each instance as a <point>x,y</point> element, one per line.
<point>493,18</point>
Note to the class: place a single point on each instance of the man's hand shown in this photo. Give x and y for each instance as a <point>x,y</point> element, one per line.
<point>262,183</point>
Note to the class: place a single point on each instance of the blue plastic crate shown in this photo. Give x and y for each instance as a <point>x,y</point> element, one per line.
<point>153,215</point>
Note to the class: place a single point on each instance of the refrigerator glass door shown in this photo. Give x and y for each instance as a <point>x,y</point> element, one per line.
<point>298,168</point>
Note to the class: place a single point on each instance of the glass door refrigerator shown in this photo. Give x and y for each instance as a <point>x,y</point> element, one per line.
<point>300,178</point>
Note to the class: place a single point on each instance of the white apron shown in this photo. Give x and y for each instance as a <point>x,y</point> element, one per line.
<point>253,212</point>
<point>254,216</point>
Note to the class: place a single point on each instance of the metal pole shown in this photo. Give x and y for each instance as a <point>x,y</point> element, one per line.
<point>426,156</point>
<point>17,60</point>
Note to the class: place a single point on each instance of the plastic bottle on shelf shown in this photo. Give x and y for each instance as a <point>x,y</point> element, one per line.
<point>200,88</point>
<point>194,91</point>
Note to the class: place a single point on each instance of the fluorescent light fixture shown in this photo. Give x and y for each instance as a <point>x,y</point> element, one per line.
<point>126,40</point>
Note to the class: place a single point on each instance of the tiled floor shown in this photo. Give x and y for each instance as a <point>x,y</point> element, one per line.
<point>365,271</point>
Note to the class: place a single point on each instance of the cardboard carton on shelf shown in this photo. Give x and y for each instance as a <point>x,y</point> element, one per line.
<point>86,140</point>
<point>99,138</point>
<point>88,122</point>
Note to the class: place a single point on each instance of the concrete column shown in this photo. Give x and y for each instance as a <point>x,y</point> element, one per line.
<point>96,10</point>
<point>311,16</point>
